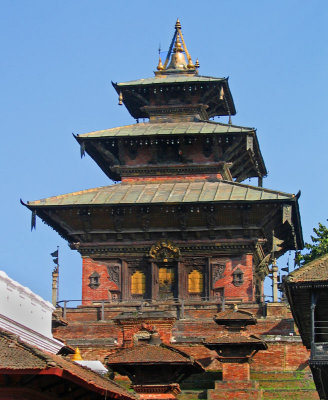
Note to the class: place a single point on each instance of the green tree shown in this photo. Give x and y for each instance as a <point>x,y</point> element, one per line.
<point>318,248</point>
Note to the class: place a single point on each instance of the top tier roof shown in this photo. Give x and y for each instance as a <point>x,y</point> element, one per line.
<point>176,83</point>
<point>164,80</point>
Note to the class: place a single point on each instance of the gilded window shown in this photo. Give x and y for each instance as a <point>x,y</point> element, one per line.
<point>138,283</point>
<point>195,281</point>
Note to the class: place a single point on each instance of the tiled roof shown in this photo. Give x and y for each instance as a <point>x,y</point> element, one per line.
<point>172,192</point>
<point>234,338</point>
<point>148,353</point>
<point>16,355</point>
<point>171,79</point>
<point>234,315</point>
<point>167,128</point>
<point>316,270</point>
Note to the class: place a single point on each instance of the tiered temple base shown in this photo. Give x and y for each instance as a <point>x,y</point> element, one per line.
<point>235,390</point>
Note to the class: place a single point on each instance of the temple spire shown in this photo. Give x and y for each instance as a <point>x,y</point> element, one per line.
<point>175,61</point>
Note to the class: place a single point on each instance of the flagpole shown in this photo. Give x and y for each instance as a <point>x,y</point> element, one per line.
<point>55,277</point>
<point>58,273</point>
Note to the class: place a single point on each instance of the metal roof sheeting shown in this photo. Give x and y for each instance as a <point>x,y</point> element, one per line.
<point>168,192</point>
<point>171,79</point>
<point>168,128</point>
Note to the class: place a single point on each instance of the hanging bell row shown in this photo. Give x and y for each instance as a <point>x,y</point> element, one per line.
<point>171,141</point>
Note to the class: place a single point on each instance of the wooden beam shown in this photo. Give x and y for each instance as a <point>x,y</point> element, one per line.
<point>239,171</point>
<point>106,154</point>
<point>232,150</point>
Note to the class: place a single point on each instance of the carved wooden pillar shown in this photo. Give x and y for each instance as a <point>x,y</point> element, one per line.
<point>154,281</point>
<point>181,280</point>
<point>125,281</point>
<point>207,278</point>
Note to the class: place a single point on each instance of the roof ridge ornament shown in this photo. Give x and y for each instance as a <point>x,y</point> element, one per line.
<point>176,57</point>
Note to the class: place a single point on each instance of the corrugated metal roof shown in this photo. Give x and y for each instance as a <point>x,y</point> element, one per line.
<point>168,192</point>
<point>171,79</point>
<point>168,128</point>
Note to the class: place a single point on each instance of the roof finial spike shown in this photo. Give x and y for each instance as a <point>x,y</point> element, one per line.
<point>177,47</point>
<point>160,65</point>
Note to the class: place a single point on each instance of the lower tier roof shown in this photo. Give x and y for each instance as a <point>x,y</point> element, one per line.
<point>168,192</point>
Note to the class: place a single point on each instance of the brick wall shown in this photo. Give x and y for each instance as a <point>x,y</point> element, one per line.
<point>285,352</point>
<point>108,289</point>
<point>90,266</point>
<point>245,291</point>
<point>235,371</point>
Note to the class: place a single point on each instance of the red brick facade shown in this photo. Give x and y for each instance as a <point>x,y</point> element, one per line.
<point>110,291</point>
<point>285,350</point>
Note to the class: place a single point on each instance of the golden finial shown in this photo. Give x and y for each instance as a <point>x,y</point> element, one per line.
<point>177,59</point>
<point>120,99</point>
<point>77,355</point>
<point>197,64</point>
<point>190,64</point>
<point>178,45</point>
<point>160,65</point>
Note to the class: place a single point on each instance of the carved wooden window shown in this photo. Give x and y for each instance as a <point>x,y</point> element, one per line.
<point>195,281</point>
<point>217,272</point>
<point>94,279</point>
<point>238,277</point>
<point>138,283</point>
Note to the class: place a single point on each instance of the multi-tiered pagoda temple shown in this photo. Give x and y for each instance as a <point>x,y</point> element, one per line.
<point>179,224</point>
<point>178,234</point>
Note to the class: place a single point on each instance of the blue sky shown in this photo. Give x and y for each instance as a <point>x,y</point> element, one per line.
<point>57,62</point>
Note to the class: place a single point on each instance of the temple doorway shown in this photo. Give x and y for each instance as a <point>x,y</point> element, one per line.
<point>167,282</point>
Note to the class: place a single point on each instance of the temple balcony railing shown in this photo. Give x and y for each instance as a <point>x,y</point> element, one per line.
<point>319,346</point>
<point>146,304</point>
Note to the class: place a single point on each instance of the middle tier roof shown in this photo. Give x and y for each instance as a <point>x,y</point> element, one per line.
<point>194,147</point>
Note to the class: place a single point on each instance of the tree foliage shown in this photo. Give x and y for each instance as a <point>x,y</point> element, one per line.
<point>318,248</point>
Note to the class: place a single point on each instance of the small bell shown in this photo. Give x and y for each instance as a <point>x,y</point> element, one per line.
<point>221,93</point>
<point>120,99</point>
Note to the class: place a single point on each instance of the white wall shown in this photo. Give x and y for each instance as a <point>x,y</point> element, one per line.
<point>26,314</point>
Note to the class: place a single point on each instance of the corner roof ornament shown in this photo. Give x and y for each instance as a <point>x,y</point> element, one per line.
<point>176,50</point>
